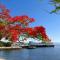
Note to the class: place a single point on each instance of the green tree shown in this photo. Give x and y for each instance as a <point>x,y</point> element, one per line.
<point>56,4</point>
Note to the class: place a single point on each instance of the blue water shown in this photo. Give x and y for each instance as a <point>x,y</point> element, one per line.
<point>49,53</point>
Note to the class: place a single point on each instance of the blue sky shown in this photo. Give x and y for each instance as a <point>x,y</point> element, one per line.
<point>38,10</point>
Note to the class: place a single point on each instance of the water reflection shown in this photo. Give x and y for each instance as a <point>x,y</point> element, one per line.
<point>31,54</point>
<point>2,58</point>
<point>23,54</point>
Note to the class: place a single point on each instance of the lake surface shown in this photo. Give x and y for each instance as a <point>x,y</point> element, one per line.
<point>48,53</point>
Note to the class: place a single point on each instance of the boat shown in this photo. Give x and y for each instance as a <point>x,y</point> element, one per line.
<point>31,47</point>
<point>41,44</point>
<point>45,45</point>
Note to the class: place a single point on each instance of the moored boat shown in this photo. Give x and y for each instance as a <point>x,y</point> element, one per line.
<point>31,47</point>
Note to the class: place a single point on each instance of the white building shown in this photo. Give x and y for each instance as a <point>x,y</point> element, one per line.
<point>25,40</point>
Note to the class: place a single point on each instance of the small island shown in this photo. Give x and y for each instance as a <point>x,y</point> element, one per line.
<point>15,32</point>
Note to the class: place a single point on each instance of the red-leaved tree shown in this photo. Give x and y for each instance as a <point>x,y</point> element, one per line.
<point>12,27</point>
